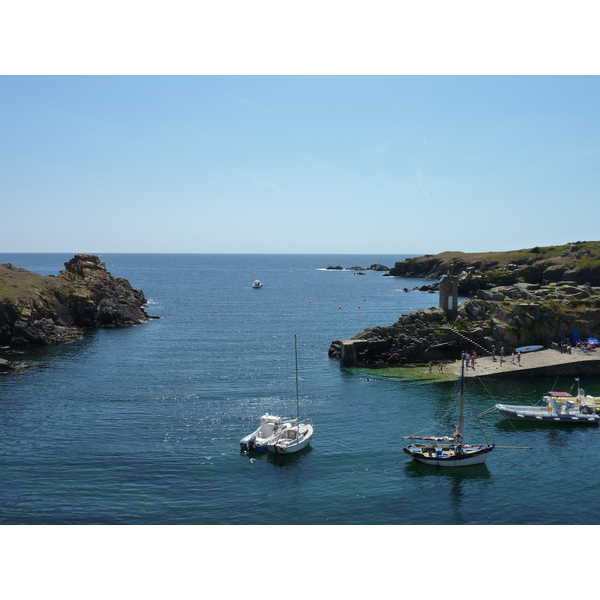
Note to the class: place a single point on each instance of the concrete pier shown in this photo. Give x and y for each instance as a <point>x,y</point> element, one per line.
<point>542,363</point>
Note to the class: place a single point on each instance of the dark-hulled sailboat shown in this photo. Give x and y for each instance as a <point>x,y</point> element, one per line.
<point>445,451</point>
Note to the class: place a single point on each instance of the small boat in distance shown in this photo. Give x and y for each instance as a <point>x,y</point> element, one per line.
<point>257,284</point>
<point>295,437</point>
<point>269,427</point>
<point>447,451</point>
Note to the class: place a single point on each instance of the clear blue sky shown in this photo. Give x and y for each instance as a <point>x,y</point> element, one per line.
<point>298,164</point>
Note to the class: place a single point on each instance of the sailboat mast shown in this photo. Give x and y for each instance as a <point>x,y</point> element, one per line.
<point>297,398</point>
<point>462,391</point>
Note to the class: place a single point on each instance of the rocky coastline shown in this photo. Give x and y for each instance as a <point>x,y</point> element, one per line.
<point>578,262</point>
<point>38,310</point>
<point>500,316</point>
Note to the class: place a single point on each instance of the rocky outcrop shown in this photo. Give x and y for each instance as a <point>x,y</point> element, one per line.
<point>511,316</point>
<point>44,310</point>
<point>373,267</point>
<point>579,262</point>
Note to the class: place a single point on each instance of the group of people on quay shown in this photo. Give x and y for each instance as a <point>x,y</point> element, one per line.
<point>502,354</point>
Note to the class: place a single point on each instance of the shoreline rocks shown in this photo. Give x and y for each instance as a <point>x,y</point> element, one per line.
<point>503,316</point>
<point>578,262</point>
<point>47,310</point>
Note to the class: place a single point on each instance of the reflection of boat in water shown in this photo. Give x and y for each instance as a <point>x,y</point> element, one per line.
<point>480,471</point>
<point>269,427</point>
<point>559,407</point>
<point>449,451</point>
<point>295,437</point>
<point>257,284</point>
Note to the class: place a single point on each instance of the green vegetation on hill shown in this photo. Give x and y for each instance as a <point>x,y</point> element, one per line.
<point>43,310</point>
<point>578,262</point>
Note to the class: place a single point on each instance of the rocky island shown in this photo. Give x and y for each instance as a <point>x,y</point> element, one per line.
<point>374,267</point>
<point>539,296</point>
<point>46,310</point>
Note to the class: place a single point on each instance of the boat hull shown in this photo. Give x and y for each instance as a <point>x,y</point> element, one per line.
<point>278,449</point>
<point>524,349</point>
<point>468,458</point>
<point>542,415</point>
<point>282,444</point>
<point>254,446</point>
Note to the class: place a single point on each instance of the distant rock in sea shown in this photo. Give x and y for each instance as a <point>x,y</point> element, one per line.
<point>374,267</point>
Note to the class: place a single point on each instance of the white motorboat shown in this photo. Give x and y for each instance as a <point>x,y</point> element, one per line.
<point>558,407</point>
<point>445,451</point>
<point>257,284</point>
<point>269,427</point>
<point>295,437</point>
<point>554,412</point>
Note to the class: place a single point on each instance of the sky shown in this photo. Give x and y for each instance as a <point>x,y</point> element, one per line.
<point>316,127</point>
<point>255,160</point>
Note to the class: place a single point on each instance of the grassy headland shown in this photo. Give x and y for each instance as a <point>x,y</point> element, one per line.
<point>578,262</point>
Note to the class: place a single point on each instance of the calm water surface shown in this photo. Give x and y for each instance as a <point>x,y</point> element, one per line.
<point>141,425</point>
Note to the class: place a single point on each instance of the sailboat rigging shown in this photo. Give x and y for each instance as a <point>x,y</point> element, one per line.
<point>295,437</point>
<point>447,451</point>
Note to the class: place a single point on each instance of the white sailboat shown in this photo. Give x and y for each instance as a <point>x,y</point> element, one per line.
<point>447,451</point>
<point>297,436</point>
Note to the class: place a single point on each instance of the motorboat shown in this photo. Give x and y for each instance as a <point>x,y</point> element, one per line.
<point>553,412</point>
<point>297,436</point>
<point>558,407</point>
<point>565,399</point>
<point>270,426</point>
<point>449,451</point>
<point>257,284</point>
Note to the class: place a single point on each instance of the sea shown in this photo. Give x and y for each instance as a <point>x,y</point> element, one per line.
<point>141,426</point>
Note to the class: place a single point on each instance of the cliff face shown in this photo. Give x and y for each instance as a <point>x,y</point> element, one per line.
<point>42,310</point>
<point>510,316</point>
